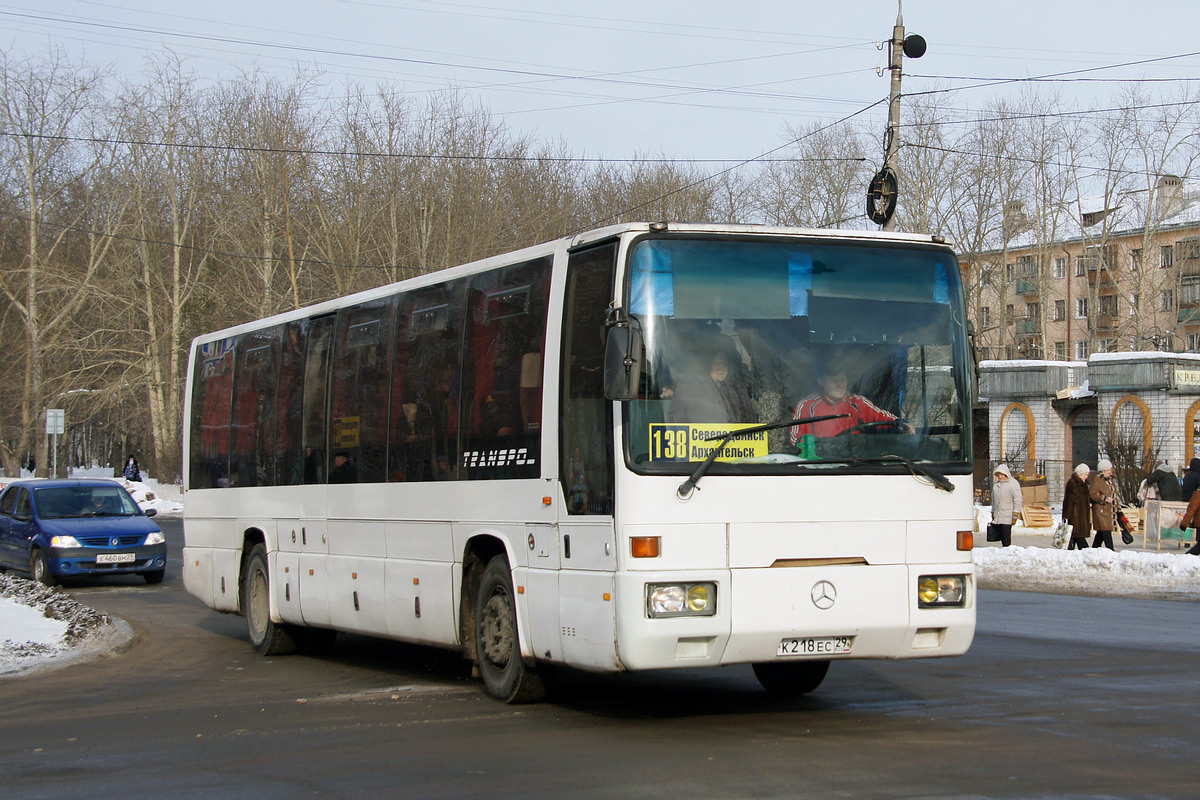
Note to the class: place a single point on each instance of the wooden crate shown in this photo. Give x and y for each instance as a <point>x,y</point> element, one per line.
<point>1037,517</point>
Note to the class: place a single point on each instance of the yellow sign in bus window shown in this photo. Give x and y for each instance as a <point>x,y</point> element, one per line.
<point>691,441</point>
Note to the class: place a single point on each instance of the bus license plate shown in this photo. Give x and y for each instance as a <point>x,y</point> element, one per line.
<point>815,646</point>
<point>115,558</point>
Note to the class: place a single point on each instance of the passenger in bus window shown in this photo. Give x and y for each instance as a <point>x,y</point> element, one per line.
<point>834,397</point>
<point>343,470</point>
<point>720,395</point>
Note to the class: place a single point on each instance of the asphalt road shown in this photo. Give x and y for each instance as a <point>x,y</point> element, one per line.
<point>1060,696</point>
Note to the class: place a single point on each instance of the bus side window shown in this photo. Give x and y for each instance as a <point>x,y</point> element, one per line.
<point>502,368</point>
<point>316,399</point>
<point>423,428</point>
<point>212,395</point>
<point>359,389</point>
<point>289,452</point>
<point>252,461</point>
<point>585,425</point>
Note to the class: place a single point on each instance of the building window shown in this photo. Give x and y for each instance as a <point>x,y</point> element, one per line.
<point>1060,267</point>
<point>1080,308</point>
<point>1108,305</point>
<point>1033,311</point>
<point>1060,309</point>
<point>1166,300</point>
<point>1080,269</point>
<point>1060,351</point>
<point>985,317</point>
<point>1193,342</point>
<point>1166,256</point>
<point>1009,312</point>
<point>1106,345</point>
<point>1081,350</point>
<point>1008,273</point>
<point>1189,290</point>
<point>1188,250</point>
<point>1010,352</point>
<point>1135,258</point>
<point>1135,302</point>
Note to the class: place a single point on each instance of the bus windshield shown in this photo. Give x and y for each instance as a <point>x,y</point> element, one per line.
<point>862,339</point>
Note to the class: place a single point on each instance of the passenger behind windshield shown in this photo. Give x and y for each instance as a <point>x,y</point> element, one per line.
<point>716,392</point>
<point>834,397</point>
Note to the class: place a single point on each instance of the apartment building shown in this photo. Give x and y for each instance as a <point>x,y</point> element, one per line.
<point>1100,275</point>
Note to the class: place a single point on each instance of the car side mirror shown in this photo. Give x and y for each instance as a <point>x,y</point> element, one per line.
<point>150,512</point>
<point>622,361</point>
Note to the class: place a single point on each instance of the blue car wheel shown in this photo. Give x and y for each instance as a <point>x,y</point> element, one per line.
<point>39,568</point>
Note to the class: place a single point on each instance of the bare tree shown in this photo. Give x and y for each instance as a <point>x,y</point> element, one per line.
<point>44,107</point>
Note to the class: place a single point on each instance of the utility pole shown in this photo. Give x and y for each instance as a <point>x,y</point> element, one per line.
<point>884,188</point>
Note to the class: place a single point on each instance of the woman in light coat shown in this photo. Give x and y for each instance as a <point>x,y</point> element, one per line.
<point>1007,503</point>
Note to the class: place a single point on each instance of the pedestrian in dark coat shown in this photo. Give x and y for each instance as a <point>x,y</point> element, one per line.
<point>132,471</point>
<point>1164,484</point>
<point>1103,495</point>
<point>1077,508</point>
<point>1191,480</point>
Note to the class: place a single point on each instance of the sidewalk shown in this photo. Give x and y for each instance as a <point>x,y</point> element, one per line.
<point>1041,537</point>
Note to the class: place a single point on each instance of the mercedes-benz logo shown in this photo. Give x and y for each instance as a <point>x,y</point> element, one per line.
<point>824,595</point>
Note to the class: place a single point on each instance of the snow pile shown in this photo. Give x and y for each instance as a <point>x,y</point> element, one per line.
<point>1093,571</point>
<point>44,626</point>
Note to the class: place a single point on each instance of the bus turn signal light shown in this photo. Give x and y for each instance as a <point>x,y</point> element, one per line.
<point>966,540</point>
<point>645,546</point>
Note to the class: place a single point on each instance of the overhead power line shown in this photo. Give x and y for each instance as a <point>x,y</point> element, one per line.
<point>1030,79</point>
<point>369,154</point>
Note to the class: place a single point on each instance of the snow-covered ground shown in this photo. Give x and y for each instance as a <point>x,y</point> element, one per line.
<point>44,628</point>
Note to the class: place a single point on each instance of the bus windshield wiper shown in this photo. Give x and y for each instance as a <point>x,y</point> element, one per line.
<point>685,488</point>
<point>939,480</point>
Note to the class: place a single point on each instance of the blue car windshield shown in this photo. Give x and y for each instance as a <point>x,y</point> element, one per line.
<point>741,333</point>
<point>69,502</point>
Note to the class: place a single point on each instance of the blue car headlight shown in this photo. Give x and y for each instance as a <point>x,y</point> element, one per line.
<point>64,541</point>
<point>155,538</point>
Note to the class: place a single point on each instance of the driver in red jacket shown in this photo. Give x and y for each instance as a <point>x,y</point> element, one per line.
<point>834,398</point>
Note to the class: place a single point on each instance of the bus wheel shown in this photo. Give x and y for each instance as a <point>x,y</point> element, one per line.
<point>268,637</point>
<point>505,676</point>
<point>791,677</point>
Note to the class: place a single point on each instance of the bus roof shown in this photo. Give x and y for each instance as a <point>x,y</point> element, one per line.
<point>571,242</point>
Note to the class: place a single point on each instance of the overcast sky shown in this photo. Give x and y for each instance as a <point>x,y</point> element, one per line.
<point>683,78</point>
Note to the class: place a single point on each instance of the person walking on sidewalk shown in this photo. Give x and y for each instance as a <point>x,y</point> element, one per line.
<point>1191,480</point>
<point>1103,496</point>
<point>1077,507</point>
<point>1188,520</point>
<point>1006,503</point>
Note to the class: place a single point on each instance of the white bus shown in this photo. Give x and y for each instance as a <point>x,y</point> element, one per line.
<point>583,454</point>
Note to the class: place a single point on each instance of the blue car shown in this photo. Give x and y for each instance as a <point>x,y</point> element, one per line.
<point>66,528</point>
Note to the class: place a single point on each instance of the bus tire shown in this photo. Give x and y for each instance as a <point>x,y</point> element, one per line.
<point>792,678</point>
<point>506,676</point>
<point>268,638</point>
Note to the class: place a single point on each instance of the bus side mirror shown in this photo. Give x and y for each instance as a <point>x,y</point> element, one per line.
<point>622,361</point>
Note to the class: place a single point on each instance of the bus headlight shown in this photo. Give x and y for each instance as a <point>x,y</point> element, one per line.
<point>939,591</point>
<point>681,599</point>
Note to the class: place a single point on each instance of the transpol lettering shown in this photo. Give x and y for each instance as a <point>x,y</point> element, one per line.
<point>503,457</point>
